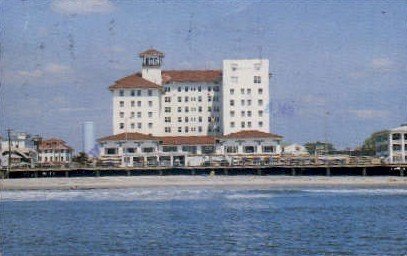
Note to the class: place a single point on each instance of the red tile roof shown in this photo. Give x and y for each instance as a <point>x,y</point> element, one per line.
<point>151,51</point>
<point>128,136</point>
<point>251,134</point>
<point>134,81</point>
<point>187,140</point>
<point>191,76</point>
<point>53,143</point>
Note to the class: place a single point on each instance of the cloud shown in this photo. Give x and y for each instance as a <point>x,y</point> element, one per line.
<point>367,114</point>
<point>382,64</point>
<point>54,68</point>
<point>82,6</point>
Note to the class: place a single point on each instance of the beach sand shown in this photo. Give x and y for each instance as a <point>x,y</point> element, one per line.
<point>208,181</point>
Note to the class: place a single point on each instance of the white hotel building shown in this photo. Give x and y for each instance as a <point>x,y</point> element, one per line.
<point>191,106</point>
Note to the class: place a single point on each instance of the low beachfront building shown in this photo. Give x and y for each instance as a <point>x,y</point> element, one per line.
<point>54,152</point>
<point>22,150</point>
<point>391,145</point>
<point>137,149</point>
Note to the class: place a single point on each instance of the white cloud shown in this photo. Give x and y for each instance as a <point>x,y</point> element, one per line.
<point>367,114</point>
<point>382,64</point>
<point>54,68</point>
<point>82,6</point>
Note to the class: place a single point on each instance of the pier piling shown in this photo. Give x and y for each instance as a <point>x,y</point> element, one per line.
<point>292,171</point>
<point>128,173</point>
<point>328,171</point>
<point>259,172</point>
<point>364,171</point>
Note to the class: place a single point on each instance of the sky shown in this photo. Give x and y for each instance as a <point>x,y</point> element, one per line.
<point>339,68</point>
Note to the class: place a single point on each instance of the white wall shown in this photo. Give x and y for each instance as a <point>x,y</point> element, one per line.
<point>239,75</point>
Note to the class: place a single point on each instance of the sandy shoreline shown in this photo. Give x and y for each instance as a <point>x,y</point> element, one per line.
<point>193,181</point>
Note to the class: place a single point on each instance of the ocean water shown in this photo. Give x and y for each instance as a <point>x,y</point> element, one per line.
<point>205,221</point>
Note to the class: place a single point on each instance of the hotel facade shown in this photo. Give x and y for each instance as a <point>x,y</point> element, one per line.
<point>196,112</point>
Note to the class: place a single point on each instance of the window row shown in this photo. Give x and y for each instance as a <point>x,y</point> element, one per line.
<point>192,88</point>
<point>246,102</point>
<point>133,126</point>
<point>133,103</point>
<point>188,129</point>
<point>243,124</point>
<point>397,136</point>
<point>187,109</point>
<point>244,113</point>
<point>249,149</point>
<point>136,92</point>
<point>133,114</point>
<point>187,98</point>
<point>246,91</point>
<point>187,119</point>
<point>235,66</point>
<point>256,79</point>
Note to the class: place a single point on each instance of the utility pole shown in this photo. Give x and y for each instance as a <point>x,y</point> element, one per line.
<point>9,153</point>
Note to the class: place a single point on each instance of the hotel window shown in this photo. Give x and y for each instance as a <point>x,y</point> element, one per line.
<point>405,136</point>
<point>132,115</point>
<point>121,114</point>
<point>133,93</point>
<point>132,125</point>
<point>260,124</point>
<point>242,91</point>
<point>209,98</point>
<point>133,103</point>
<point>396,147</point>
<point>186,109</point>
<point>243,113</point>
<point>150,114</point>
<point>200,119</point>
<point>249,113</point>
<point>167,89</point>
<point>167,99</point>
<point>232,113</point>
<point>199,88</point>
<point>150,93</point>
<point>260,91</point>
<point>121,104</point>
<point>231,149</point>
<point>249,102</point>
<point>216,88</point>
<point>139,125</point>
<point>179,99</point>
<point>167,119</point>
<point>179,109</point>
<point>249,91</point>
<point>249,124</point>
<point>199,128</point>
<point>170,148</point>
<point>179,89</point>
<point>186,129</point>
<point>268,149</point>
<point>234,79</point>
<point>139,114</point>
<point>167,129</point>
<point>186,119</point>
<point>232,102</point>
<point>199,98</point>
<point>186,88</point>
<point>260,112</point>
<point>209,88</point>
<point>209,109</point>
<point>200,109</point>
<point>232,91</point>
<point>121,125</point>
<point>186,99</point>
<point>396,136</point>
<point>148,150</point>
<point>121,93</point>
<point>150,125</point>
<point>260,102</point>
<point>167,109</point>
<point>150,103</point>
<point>257,66</point>
<point>242,102</point>
<point>179,119</point>
<point>234,67</point>
<point>138,92</point>
<point>138,103</point>
<point>257,79</point>
<point>242,124</point>
<point>179,129</point>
